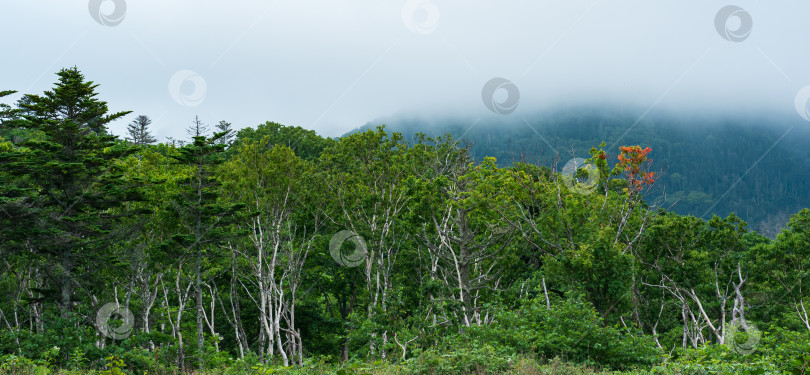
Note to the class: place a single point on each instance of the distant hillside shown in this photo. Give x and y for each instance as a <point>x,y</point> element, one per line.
<point>711,165</point>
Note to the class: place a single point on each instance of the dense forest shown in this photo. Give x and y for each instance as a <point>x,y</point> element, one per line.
<point>275,250</point>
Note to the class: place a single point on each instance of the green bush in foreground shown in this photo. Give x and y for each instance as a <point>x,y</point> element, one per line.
<point>572,330</point>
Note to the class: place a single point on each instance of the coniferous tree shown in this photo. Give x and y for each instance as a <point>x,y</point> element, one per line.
<point>15,198</point>
<point>204,218</point>
<point>74,188</point>
<point>197,129</point>
<point>225,127</point>
<point>5,109</point>
<point>139,133</point>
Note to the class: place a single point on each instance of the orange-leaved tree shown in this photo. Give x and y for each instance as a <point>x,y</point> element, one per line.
<point>633,164</point>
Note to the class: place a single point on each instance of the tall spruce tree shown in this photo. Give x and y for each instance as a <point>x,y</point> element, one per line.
<point>205,218</point>
<point>75,189</point>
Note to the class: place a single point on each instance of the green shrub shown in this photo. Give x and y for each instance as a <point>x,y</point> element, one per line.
<point>12,364</point>
<point>459,357</point>
<point>571,330</point>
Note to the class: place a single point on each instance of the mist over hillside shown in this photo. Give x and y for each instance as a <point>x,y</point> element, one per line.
<point>754,165</point>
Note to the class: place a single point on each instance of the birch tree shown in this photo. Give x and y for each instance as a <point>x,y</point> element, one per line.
<point>268,180</point>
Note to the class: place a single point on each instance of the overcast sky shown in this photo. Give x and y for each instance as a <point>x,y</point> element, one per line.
<point>332,66</point>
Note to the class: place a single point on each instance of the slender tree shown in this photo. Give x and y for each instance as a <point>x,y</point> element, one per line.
<point>139,133</point>
<point>204,218</point>
<point>225,127</point>
<point>198,129</point>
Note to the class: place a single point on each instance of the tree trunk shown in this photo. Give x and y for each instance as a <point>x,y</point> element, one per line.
<point>198,284</point>
<point>67,283</point>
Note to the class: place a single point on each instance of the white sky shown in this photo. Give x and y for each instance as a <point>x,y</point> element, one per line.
<point>332,66</point>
